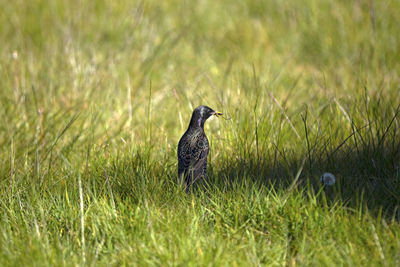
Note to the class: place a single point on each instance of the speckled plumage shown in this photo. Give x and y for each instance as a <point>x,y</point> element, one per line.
<point>193,148</point>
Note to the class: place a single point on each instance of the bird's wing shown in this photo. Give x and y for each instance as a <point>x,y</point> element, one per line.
<point>200,166</point>
<point>192,156</point>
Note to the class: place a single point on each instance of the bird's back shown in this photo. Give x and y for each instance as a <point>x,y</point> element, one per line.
<point>192,156</point>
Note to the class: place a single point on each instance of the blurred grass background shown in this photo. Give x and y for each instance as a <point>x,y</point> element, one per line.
<point>94,96</point>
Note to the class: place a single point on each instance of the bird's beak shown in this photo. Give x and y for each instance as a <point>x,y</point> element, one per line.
<point>217,113</point>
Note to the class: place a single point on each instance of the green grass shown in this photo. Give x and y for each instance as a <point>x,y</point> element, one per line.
<point>94,96</point>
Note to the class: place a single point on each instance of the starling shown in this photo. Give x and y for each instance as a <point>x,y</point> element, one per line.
<point>193,148</point>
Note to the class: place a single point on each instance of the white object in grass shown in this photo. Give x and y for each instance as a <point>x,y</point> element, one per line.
<point>328,179</point>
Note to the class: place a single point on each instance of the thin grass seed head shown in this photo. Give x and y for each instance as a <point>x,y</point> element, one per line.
<point>14,54</point>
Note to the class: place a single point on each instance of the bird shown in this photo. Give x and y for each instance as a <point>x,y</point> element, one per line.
<point>193,148</point>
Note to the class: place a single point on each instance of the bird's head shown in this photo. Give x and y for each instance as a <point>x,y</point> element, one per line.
<point>201,114</point>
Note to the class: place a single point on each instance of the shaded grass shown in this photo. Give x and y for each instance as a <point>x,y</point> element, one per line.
<point>95,95</point>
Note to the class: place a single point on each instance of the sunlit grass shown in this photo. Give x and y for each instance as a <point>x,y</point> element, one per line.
<point>94,96</point>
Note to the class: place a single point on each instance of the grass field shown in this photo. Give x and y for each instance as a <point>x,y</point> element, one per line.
<point>94,96</point>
